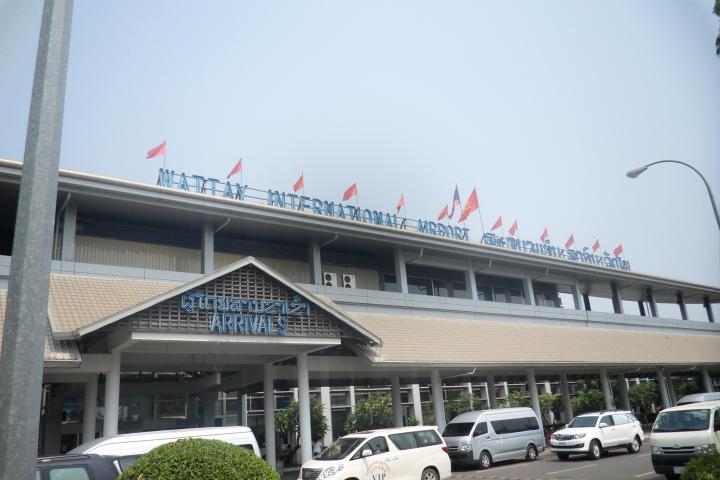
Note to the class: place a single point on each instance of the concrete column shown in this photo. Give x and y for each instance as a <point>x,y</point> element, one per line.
<point>208,409</point>
<point>616,299</point>
<point>470,283</point>
<point>706,380</point>
<point>577,297</point>
<point>90,408</point>
<point>327,413</point>
<point>269,413</point>
<point>607,392</point>
<point>304,400</point>
<point>664,399</point>
<point>400,270</point>
<point>53,421</point>
<point>708,309</point>
<point>641,307</point>
<point>567,403</point>
<point>352,399</point>
<point>534,400</point>
<point>242,409</point>
<point>69,229</point>
<point>207,247</point>
<point>492,397</point>
<point>396,401</point>
<point>315,261</point>
<point>586,301</point>
<point>623,386</point>
<point>650,298</point>
<point>470,392</point>
<point>112,396</point>
<point>417,403</point>
<point>681,305</point>
<point>671,388</point>
<point>529,291</point>
<point>437,399</point>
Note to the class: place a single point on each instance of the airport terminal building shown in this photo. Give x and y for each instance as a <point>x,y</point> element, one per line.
<point>199,302</point>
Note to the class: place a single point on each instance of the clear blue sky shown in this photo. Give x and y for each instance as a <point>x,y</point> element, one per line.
<point>543,106</point>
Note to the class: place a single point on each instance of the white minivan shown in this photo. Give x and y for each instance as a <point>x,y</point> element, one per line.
<point>128,447</point>
<point>680,433</point>
<point>407,453</point>
<point>487,436</point>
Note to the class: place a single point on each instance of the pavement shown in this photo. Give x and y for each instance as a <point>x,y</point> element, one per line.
<point>615,465</point>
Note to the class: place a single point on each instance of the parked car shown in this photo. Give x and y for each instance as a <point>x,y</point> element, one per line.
<point>594,433</point>
<point>680,433</point>
<point>699,397</point>
<point>408,453</point>
<point>128,447</point>
<point>75,467</point>
<point>484,437</point>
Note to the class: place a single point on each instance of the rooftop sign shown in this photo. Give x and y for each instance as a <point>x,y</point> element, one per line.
<point>275,198</point>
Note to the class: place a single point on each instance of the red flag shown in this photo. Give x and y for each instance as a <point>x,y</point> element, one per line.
<point>618,250</point>
<point>513,230</point>
<point>299,183</point>
<point>497,224</point>
<point>544,235</point>
<point>443,213</point>
<point>401,203</point>
<point>596,245</point>
<point>471,205</point>
<point>236,169</point>
<point>350,192</point>
<point>570,241</point>
<point>159,150</point>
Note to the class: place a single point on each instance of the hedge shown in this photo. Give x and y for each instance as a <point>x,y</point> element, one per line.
<point>193,459</point>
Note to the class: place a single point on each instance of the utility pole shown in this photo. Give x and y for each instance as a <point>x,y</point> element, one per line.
<point>23,342</point>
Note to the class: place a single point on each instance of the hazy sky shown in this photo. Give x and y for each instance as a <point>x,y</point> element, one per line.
<point>543,106</point>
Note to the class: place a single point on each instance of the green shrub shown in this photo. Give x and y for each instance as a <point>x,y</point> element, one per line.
<point>372,412</point>
<point>587,401</point>
<point>194,459</point>
<point>703,467</point>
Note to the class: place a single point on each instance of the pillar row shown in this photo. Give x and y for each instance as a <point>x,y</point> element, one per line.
<point>623,386</point>
<point>437,398</point>
<point>607,392</point>
<point>112,396</point>
<point>90,408</point>
<point>534,400</point>
<point>565,391</point>
<point>492,398</point>
<point>269,413</point>
<point>396,401</point>
<point>662,386</point>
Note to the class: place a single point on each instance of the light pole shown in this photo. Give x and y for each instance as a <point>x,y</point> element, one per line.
<point>637,171</point>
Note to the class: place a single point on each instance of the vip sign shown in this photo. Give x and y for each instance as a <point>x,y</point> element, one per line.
<point>245,315</point>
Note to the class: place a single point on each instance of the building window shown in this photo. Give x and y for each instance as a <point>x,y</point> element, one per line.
<point>420,286</point>
<point>500,289</point>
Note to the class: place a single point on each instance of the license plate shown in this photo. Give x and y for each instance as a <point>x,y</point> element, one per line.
<point>678,470</point>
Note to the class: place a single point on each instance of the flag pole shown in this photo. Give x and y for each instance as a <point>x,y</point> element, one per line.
<point>482,224</point>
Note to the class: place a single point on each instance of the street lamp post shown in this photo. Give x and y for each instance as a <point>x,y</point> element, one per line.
<point>637,171</point>
<point>23,341</point>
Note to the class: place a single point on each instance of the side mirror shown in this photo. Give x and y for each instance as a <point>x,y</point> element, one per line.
<point>366,453</point>
<point>603,425</point>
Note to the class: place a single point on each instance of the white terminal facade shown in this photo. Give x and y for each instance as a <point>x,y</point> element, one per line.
<point>172,308</point>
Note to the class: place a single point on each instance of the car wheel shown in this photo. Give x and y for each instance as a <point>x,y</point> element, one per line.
<point>634,446</point>
<point>485,460</point>
<point>531,453</point>
<point>563,456</point>
<point>595,451</point>
<point>429,474</point>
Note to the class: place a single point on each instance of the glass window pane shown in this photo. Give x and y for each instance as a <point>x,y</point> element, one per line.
<point>404,441</point>
<point>516,296</point>
<point>68,473</point>
<point>440,288</point>
<point>419,286</point>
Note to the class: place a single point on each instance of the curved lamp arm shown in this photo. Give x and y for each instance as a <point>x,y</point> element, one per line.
<point>635,172</point>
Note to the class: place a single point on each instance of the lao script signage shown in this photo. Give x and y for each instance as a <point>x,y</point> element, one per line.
<point>583,256</point>
<point>245,315</point>
<point>292,201</point>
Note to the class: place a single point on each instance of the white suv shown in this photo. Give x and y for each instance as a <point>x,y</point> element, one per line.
<point>406,453</point>
<point>593,433</point>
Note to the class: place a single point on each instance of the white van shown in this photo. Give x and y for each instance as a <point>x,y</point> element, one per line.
<point>407,453</point>
<point>487,436</point>
<point>128,447</point>
<point>680,433</point>
<point>698,397</point>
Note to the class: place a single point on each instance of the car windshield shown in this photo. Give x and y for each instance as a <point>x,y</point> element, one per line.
<point>682,421</point>
<point>580,422</point>
<point>460,429</point>
<point>340,448</point>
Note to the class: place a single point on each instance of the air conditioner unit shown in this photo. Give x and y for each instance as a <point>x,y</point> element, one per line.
<point>348,280</point>
<point>330,279</point>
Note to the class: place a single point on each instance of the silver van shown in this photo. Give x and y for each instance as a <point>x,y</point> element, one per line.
<point>698,397</point>
<point>483,437</point>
